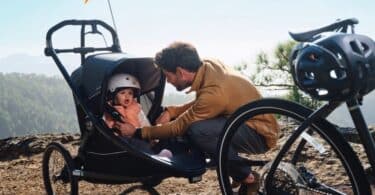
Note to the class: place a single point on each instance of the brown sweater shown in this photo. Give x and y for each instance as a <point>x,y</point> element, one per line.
<point>220,91</point>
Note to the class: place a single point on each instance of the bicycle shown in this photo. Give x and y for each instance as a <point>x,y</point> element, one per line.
<point>332,65</point>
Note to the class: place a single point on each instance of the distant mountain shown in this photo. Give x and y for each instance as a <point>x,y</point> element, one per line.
<point>34,104</point>
<point>24,63</point>
<point>31,104</point>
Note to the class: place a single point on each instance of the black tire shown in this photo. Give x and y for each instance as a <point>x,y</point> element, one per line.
<point>57,171</point>
<point>322,129</point>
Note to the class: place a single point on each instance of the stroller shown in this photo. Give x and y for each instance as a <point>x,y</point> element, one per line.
<point>102,156</point>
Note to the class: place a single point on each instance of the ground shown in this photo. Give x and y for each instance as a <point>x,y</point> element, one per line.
<point>21,172</point>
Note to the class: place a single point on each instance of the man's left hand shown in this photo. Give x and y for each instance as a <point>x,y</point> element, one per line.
<point>126,129</point>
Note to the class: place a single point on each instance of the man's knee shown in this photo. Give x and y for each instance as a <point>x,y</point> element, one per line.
<point>205,130</point>
<point>196,129</point>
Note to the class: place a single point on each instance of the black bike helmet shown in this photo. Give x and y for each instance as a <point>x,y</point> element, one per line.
<point>335,66</point>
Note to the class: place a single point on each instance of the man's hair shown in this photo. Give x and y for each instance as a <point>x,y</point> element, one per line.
<point>178,54</point>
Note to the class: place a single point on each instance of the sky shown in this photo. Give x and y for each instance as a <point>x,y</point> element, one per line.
<point>232,31</point>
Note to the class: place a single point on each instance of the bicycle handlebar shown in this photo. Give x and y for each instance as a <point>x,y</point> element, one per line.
<point>336,26</point>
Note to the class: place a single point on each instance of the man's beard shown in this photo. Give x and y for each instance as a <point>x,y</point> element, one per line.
<point>182,85</point>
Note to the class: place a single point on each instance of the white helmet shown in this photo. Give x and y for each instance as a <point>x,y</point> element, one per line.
<point>122,80</point>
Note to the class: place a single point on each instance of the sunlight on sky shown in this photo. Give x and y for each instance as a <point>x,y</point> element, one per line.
<point>232,31</point>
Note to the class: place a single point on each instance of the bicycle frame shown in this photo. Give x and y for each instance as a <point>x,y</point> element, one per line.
<point>359,122</point>
<point>363,132</point>
<point>352,105</point>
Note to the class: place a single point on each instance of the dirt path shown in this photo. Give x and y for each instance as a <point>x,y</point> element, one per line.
<point>24,176</point>
<point>21,174</point>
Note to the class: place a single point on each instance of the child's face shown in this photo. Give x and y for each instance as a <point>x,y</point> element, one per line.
<point>125,97</point>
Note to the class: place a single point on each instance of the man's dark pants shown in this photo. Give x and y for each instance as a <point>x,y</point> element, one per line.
<point>205,134</point>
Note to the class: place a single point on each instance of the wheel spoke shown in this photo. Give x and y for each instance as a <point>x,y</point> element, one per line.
<point>57,166</point>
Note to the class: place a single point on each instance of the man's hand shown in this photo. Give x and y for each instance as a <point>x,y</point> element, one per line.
<point>126,129</point>
<point>163,118</point>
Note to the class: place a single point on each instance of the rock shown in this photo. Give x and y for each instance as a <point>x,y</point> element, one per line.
<point>67,139</point>
<point>351,134</point>
<point>12,148</point>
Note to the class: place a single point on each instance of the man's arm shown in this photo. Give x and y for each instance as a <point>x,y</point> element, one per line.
<point>172,112</point>
<point>208,105</point>
<point>129,130</point>
<point>175,111</point>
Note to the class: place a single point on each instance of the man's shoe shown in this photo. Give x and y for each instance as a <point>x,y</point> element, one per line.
<point>250,189</point>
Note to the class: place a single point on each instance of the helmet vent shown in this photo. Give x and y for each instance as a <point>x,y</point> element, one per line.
<point>357,48</point>
<point>310,75</point>
<point>365,47</point>
<point>339,57</point>
<point>322,92</point>
<point>313,57</point>
<point>337,74</point>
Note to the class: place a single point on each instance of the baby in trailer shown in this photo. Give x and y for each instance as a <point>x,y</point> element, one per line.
<point>123,90</point>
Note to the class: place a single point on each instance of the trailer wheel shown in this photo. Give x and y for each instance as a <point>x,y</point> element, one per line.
<point>58,169</point>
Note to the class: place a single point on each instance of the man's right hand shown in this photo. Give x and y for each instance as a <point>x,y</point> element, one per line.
<point>126,129</point>
<point>163,118</point>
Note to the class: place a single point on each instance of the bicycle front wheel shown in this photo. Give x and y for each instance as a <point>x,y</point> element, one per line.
<point>320,161</point>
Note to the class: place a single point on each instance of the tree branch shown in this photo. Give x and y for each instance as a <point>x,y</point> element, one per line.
<point>267,66</point>
<point>274,85</point>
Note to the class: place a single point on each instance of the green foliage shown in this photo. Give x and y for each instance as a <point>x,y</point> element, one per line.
<point>273,72</point>
<point>296,95</point>
<point>32,104</point>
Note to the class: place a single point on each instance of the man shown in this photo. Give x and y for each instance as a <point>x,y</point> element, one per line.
<point>219,92</point>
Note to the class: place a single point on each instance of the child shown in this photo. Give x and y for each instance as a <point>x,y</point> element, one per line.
<point>123,90</point>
